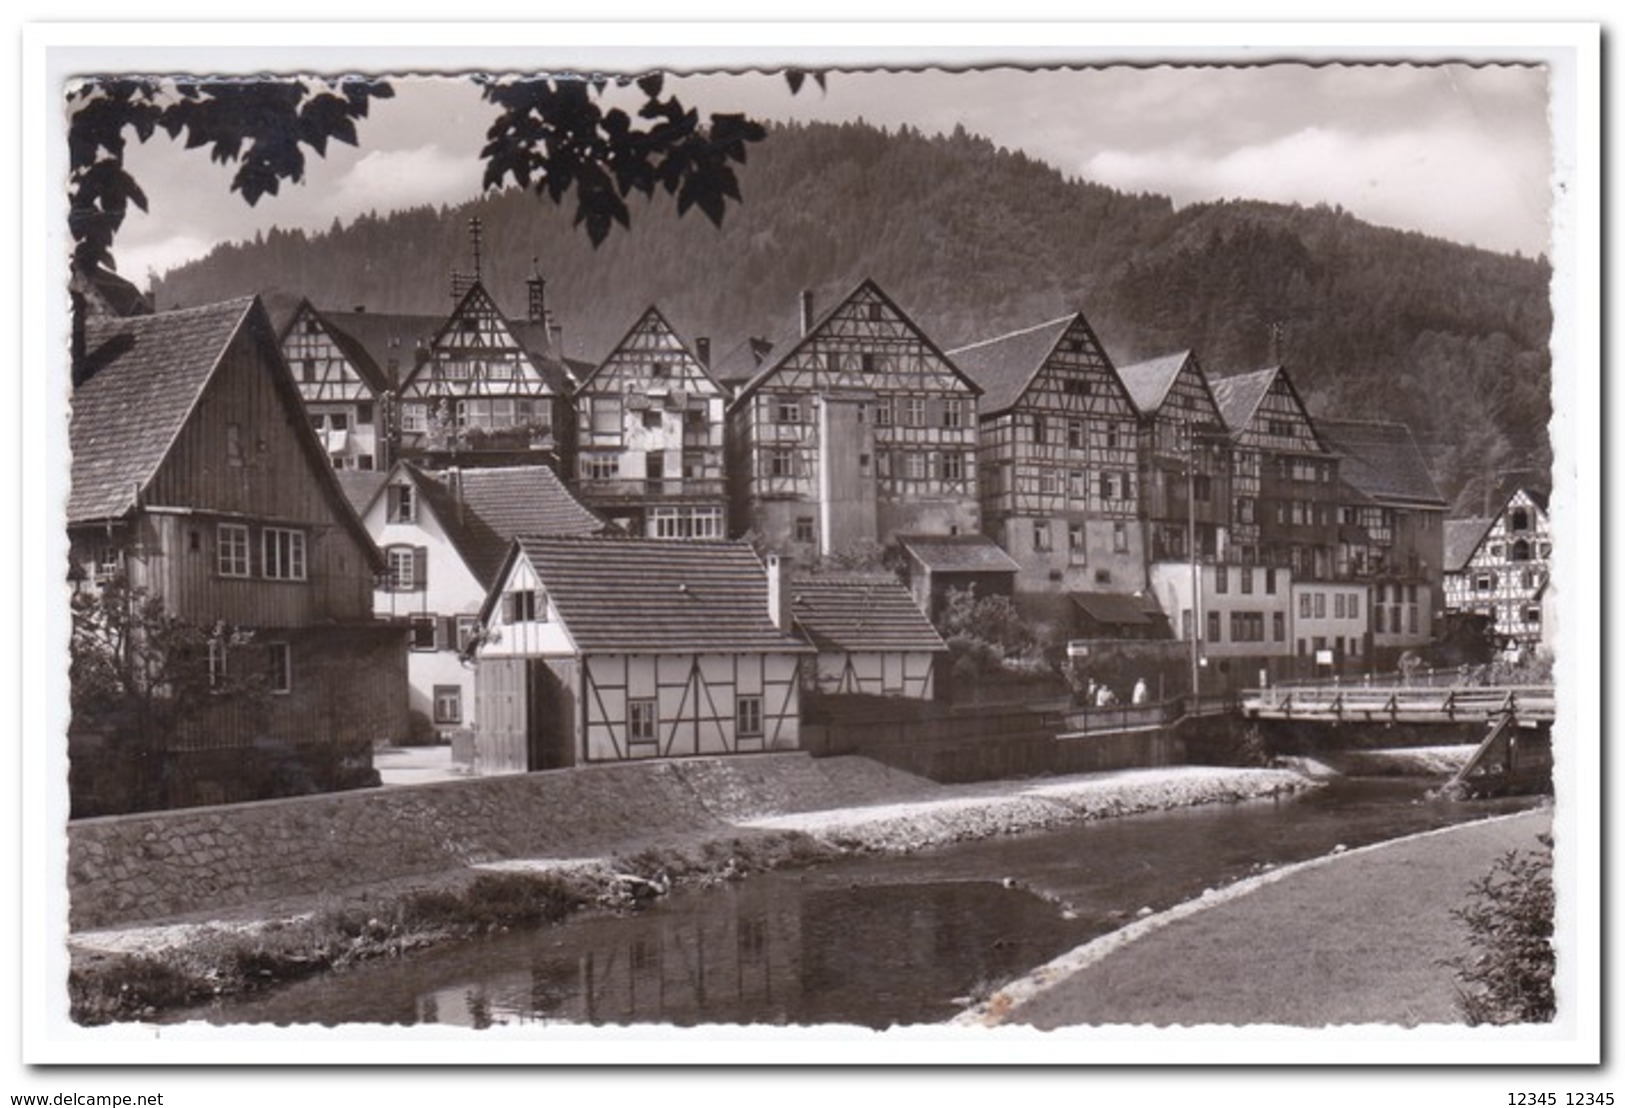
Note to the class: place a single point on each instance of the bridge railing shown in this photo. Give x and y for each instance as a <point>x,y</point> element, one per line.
<point>1462,702</point>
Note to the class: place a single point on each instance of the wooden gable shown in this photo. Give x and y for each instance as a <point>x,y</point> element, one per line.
<point>322,368</point>
<point>1281,422</point>
<point>477,354</point>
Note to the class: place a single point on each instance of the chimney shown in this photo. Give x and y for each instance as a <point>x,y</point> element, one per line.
<point>778,593</point>
<point>702,350</point>
<point>555,336</point>
<point>806,311</point>
<point>454,485</point>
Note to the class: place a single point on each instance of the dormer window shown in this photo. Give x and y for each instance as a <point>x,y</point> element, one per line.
<point>402,504</point>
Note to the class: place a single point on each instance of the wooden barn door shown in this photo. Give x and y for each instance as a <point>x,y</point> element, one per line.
<point>502,738</point>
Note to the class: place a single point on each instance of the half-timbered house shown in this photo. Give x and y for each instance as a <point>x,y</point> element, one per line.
<point>605,650</point>
<point>859,430</point>
<point>1184,458</point>
<point>444,535</point>
<point>1284,481</point>
<point>1499,566</point>
<point>479,388</point>
<point>1058,458</point>
<point>1390,532</point>
<point>346,392</point>
<point>198,480</point>
<point>870,636</point>
<point>650,422</point>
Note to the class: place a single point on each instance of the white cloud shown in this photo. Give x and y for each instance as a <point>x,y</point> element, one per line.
<point>386,180</point>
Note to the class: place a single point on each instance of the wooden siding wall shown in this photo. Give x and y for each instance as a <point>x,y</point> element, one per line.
<point>696,703</point>
<point>241,455</point>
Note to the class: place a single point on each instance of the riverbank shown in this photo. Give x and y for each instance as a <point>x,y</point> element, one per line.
<point>133,972</point>
<point>1354,937</point>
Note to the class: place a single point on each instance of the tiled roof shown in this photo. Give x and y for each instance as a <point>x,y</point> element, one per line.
<point>1461,539</point>
<point>1148,382</point>
<point>856,612</point>
<point>1238,397</point>
<point>361,486</point>
<point>148,373</point>
<point>498,505</point>
<point>958,553</point>
<point>1005,366</point>
<point>1381,460</point>
<point>647,596</point>
<point>1115,607</point>
<point>383,336</point>
<point>742,362</point>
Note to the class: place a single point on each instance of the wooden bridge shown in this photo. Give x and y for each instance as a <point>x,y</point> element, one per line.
<point>1529,704</point>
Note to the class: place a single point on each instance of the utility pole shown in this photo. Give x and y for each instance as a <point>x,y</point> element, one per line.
<point>1196,573</point>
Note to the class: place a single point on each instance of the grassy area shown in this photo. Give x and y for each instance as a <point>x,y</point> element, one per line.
<point>107,988</point>
<point>1363,939</point>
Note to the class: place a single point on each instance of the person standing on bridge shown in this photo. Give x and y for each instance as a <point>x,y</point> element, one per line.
<point>1141,694</point>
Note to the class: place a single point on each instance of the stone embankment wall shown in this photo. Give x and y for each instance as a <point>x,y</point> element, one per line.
<point>125,869</point>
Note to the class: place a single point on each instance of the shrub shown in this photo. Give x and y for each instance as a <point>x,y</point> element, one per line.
<point>1509,912</point>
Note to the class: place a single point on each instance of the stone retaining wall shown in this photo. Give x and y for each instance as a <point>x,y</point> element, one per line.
<point>125,869</point>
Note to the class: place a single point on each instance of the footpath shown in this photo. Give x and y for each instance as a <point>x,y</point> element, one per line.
<point>1350,938</point>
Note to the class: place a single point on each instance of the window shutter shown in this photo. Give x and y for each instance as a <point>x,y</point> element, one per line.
<point>420,568</point>
<point>508,608</point>
<point>933,411</point>
<point>446,633</point>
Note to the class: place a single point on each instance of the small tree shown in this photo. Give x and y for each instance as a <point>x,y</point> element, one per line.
<point>139,674</point>
<point>984,634</point>
<point>1508,977</point>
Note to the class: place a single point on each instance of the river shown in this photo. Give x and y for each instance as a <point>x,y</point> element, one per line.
<point>872,941</point>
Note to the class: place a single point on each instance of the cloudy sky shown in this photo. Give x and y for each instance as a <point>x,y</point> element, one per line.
<point>1457,151</point>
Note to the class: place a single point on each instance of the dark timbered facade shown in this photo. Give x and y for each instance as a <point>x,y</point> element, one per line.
<point>345,392</point>
<point>650,423</point>
<point>1501,567</point>
<point>198,479</point>
<point>860,430</point>
<point>1059,458</point>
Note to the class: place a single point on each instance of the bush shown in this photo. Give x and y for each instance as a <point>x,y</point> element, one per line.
<point>1508,977</point>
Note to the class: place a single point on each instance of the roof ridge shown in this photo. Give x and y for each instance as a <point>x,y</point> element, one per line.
<point>1013,334</point>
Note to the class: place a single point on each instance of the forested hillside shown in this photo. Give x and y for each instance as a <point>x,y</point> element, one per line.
<point>973,240</point>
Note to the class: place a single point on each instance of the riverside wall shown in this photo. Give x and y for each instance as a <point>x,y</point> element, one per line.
<point>155,865</point>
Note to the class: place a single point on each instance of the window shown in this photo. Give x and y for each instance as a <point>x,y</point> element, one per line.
<point>1078,485</point>
<point>1520,550</point>
<point>1305,605</point>
<point>282,554</point>
<point>1354,605</point>
<point>787,409</point>
<point>1484,582</point>
<point>640,721</point>
<point>781,462</point>
<point>1074,434</point>
<point>883,412</point>
<point>231,550</point>
<point>523,606</point>
<point>1531,615</point>
<point>467,628</point>
<point>402,504</point>
<point>804,530</point>
<point>1246,580</point>
<point>1202,489</point>
<point>1520,520</point>
<point>953,466</point>
<point>408,568</point>
<point>914,466</point>
<point>278,668</point>
<point>600,467</point>
<point>1041,536</point>
<point>447,704</point>
<point>953,413</point>
<point>914,411</point>
<point>883,464</point>
<point>1214,628</point>
<point>686,523</point>
<point>414,417</point>
<point>423,632</point>
<point>1320,605</point>
<point>1339,606</point>
<point>1221,578</point>
<point>1280,626</point>
<point>234,444</point>
<point>1039,431</point>
<point>1119,536</point>
<point>749,718</point>
<point>606,416</point>
<point>1415,618</point>
<point>652,419</point>
<point>866,361</point>
<point>1269,581</point>
<point>1049,482</point>
<point>1247,626</point>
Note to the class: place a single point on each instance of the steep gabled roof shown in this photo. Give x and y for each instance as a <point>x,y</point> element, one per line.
<point>782,351</point>
<point>361,486</point>
<point>1238,397</point>
<point>858,612</point>
<point>652,312</point>
<point>1461,541</point>
<point>149,372</point>
<point>1381,460</point>
<point>958,553</point>
<point>1006,365</point>
<point>646,596</point>
<point>1148,382</point>
<point>483,510</point>
<point>355,352</point>
<point>382,337</point>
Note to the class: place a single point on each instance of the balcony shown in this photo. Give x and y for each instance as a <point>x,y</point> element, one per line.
<point>624,489</point>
